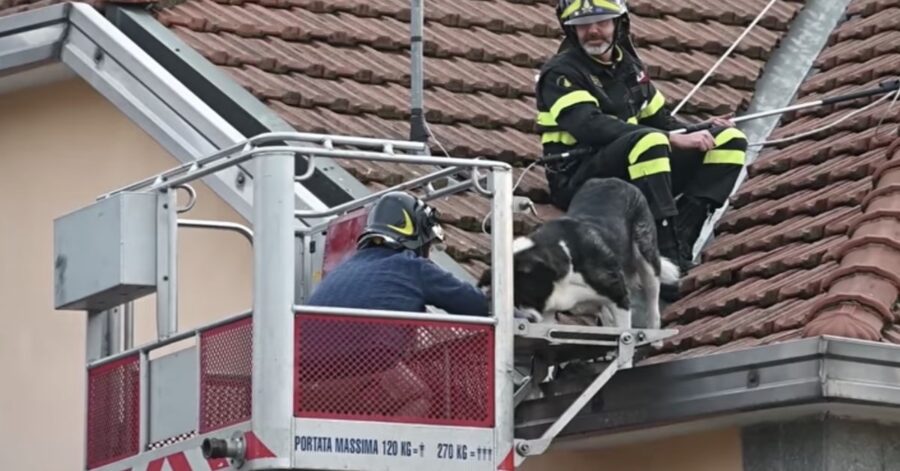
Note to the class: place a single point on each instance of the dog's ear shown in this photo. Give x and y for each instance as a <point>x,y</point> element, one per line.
<point>526,266</point>
<point>529,263</point>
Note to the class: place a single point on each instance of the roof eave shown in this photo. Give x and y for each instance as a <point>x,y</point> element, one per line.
<point>725,387</point>
<point>32,38</point>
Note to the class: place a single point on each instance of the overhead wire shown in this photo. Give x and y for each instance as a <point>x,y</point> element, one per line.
<point>723,57</point>
<point>829,125</point>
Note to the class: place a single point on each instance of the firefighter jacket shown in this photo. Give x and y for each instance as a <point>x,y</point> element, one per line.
<point>396,280</point>
<point>584,103</point>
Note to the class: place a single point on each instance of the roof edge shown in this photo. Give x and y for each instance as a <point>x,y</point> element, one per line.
<point>725,387</point>
<point>32,38</point>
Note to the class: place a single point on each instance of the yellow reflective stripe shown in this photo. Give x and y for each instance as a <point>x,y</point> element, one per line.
<point>632,120</point>
<point>572,8</point>
<point>569,99</point>
<point>656,103</point>
<point>544,119</point>
<point>607,5</point>
<point>729,134</point>
<point>646,142</point>
<point>577,5</point>
<point>650,167</point>
<point>558,137</point>
<point>726,156</point>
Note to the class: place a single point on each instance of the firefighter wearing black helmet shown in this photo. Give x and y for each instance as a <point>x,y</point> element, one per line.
<point>391,270</point>
<point>595,95</point>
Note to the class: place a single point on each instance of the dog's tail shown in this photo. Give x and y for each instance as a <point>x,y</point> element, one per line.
<point>669,272</point>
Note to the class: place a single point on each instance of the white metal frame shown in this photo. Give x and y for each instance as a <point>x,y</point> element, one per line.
<point>274,305</point>
<point>273,237</point>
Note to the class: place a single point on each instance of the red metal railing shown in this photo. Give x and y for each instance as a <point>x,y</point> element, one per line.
<point>113,411</point>
<point>394,370</point>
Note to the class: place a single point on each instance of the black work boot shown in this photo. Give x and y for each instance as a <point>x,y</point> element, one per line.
<point>667,240</point>
<point>692,214</point>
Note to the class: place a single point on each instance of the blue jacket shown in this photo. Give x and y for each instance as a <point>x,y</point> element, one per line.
<point>396,280</point>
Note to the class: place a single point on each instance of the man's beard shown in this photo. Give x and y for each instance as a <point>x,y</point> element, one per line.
<point>597,49</point>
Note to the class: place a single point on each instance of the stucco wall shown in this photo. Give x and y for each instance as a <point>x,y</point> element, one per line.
<point>60,147</point>
<point>708,451</point>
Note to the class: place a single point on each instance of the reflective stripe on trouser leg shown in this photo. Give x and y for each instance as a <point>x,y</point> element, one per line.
<point>649,170</point>
<point>714,178</point>
<point>721,167</point>
<point>730,149</point>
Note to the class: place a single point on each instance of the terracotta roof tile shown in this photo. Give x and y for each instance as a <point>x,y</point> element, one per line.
<point>799,240</point>
<point>9,7</point>
<point>869,7</point>
<point>341,67</point>
<point>802,251</point>
<point>737,344</point>
<point>729,12</point>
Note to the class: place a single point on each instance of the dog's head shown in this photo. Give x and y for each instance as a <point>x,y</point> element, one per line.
<point>536,270</point>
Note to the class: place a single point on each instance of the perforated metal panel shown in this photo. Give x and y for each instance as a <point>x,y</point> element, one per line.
<point>113,411</point>
<point>394,370</point>
<point>226,362</point>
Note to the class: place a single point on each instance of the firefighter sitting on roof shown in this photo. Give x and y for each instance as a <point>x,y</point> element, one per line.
<point>595,95</point>
<point>391,269</point>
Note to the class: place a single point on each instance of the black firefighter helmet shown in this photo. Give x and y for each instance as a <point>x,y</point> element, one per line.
<point>398,220</point>
<point>580,12</point>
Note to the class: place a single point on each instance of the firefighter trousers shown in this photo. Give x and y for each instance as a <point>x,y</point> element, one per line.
<point>646,159</point>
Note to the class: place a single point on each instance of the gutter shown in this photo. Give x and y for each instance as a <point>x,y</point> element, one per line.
<point>725,387</point>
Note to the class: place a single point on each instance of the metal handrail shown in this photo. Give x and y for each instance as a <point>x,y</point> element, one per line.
<point>225,226</point>
<point>328,141</point>
<point>192,200</point>
<point>162,182</point>
<point>476,183</point>
<point>379,313</point>
<point>169,340</point>
<point>360,202</point>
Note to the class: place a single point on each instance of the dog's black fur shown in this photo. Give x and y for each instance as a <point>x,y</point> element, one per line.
<point>592,259</point>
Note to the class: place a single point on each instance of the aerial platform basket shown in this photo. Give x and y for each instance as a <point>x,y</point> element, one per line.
<point>290,386</point>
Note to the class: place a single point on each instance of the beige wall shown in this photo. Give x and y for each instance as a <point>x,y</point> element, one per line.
<point>60,147</point>
<point>708,451</point>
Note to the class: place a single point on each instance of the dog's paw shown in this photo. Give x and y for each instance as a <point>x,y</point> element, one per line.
<point>528,314</point>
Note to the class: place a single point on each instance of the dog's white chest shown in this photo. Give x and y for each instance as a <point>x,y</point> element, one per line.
<point>571,291</point>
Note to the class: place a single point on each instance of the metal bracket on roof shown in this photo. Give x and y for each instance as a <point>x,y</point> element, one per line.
<point>557,343</point>
<point>544,336</point>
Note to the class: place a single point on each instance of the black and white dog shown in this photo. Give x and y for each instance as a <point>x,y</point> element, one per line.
<point>593,259</point>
